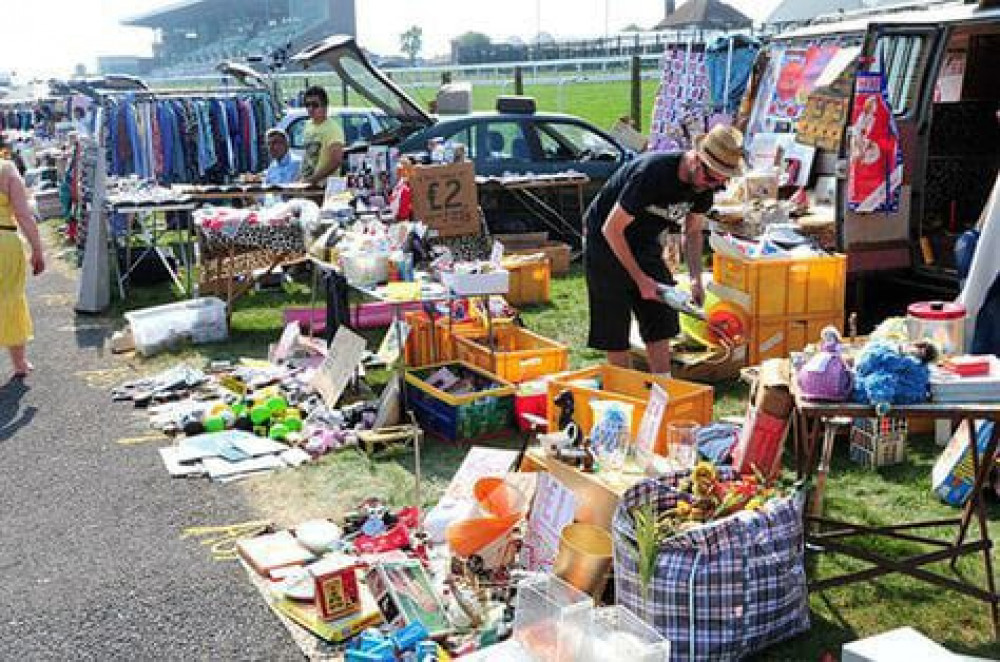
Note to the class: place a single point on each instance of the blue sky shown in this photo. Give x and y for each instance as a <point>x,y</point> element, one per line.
<point>50,38</point>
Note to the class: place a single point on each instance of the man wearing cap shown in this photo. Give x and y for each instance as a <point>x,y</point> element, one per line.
<point>284,166</point>
<point>622,252</point>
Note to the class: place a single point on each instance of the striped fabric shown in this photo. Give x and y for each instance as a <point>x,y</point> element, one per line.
<point>723,590</point>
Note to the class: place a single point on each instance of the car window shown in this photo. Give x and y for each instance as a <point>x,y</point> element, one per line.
<point>357,126</point>
<point>464,136</point>
<point>506,141</point>
<point>566,141</point>
<point>295,129</point>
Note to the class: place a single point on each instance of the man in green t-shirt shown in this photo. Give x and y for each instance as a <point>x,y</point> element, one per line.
<point>323,139</point>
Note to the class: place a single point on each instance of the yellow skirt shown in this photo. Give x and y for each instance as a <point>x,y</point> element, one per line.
<point>15,320</point>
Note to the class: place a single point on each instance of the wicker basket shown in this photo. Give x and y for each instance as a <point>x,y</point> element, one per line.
<point>878,442</point>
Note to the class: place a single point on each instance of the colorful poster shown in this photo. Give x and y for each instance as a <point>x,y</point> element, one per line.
<point>679,110</point>
<point>875,165</point>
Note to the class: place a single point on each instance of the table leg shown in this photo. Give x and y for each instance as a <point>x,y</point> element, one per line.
<point>312,300</point>
<point>977,504</point>
<point>980,472</point>
<point>829,435</point>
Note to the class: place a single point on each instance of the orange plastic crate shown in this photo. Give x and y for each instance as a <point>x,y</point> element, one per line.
<point>796,286</point>
<point>530,282</point>
<point>518,354</point>
<point>777,337</point>
<point>687,400</point>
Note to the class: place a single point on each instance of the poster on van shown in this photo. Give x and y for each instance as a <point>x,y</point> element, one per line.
<point>875,165</point>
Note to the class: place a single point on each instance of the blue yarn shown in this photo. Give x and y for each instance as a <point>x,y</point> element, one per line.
<point>884,375</point>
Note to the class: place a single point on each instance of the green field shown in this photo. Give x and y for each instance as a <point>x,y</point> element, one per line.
<point>599,102</point>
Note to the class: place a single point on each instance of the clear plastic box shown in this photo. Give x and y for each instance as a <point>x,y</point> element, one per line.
<point>198,320</point>
<point>551,619</point>
<point>615,633</point>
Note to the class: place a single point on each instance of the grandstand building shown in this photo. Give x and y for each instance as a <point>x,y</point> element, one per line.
<point>192,36</point>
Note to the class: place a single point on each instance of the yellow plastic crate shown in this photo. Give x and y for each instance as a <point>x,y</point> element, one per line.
<point>530,282</point>
<point>777,337</point>
<point>687,400</point>
<point>790,287</point>
<point>518,354</point>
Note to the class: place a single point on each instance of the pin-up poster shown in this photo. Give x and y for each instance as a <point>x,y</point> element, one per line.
<point>875,165</point>
<point>680,105</point>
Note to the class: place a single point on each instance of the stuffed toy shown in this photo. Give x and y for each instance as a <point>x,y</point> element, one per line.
<point>889,374</point>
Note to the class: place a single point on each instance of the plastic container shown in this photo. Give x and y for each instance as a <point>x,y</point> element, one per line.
<point>782,287</point>
<point>447,331</point>
<point>941,322</point>
<point>551,619</point>
<point>518,354</point>
<point>531,398</point>
<point>777,337</point>
<point>197,320</point>
<point>530,282</point>
<point>485,413</point>
<point>616,633</point>
<point>419,350</point>
<point>686,400</point>
<point>463,284</point>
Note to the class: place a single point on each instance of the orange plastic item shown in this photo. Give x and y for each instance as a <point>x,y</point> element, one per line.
<point>472,535</point>
<point>499,498</point>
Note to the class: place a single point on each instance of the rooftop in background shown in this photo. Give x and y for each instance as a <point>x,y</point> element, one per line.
<point>801,12</point>
<point>187,13</point>
<point>708,15</point>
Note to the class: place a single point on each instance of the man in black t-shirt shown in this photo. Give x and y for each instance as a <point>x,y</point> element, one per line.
<point>623,256</point>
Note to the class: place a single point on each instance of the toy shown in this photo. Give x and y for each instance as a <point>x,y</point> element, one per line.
<point>893,374</point>
<point>826,376</point>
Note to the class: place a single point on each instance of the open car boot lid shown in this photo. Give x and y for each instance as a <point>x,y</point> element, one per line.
<point>342,54</point>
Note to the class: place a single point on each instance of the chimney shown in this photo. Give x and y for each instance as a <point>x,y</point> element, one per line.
<point>669,7</point>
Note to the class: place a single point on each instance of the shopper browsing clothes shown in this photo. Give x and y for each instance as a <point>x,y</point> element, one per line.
<point>285,166</point>
<point>15,319</point>
<point>623,261</point>
<point>323,139</point>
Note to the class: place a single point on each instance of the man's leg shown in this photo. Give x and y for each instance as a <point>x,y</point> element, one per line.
<point>609,300</point>
<point>658,355</point>
<point>622,359</point>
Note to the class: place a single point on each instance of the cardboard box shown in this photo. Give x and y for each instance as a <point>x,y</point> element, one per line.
<point>446,199</point>
<point>771,392</point>
<point>529,243</point>
<point>899,644</point>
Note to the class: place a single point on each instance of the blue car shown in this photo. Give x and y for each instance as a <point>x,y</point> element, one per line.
<point>497,142</point>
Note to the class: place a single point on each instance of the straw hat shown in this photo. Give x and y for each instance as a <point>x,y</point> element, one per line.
<point>721,149</point>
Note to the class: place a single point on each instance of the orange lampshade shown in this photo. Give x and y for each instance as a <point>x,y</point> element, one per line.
<point>469,536</point>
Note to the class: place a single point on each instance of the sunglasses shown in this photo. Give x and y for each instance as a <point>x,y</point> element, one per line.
<point>312,104</point>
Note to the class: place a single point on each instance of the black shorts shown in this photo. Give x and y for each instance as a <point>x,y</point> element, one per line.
<point>614,298</point>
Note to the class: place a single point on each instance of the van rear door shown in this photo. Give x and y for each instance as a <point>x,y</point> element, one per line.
<point>907,56</point>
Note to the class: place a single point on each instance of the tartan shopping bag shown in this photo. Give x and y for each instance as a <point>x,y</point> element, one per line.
<point>720,591</point>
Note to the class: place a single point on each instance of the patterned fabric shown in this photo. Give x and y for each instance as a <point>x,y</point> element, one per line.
<point>720,591</point>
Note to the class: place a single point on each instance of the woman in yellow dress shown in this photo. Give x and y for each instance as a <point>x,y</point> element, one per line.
<point>15,213</point>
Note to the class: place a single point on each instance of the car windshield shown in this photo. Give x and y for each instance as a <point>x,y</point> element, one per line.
<point>569,141</point>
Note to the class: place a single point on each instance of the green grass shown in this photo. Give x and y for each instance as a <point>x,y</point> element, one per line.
<point>339,482</point>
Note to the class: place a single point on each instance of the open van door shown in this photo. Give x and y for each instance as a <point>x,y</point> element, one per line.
<point>907,56</point>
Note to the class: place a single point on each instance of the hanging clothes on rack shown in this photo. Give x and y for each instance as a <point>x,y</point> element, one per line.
<point>187,139</point>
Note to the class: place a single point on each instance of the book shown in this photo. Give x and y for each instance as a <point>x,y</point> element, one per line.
<point>273,550</point>
<point>306,615</point>
<point>337,593</point>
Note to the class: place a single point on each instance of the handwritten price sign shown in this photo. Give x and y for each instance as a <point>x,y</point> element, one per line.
<point>445,198</point>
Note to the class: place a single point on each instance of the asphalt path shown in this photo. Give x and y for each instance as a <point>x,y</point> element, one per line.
<point>92,563</point>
